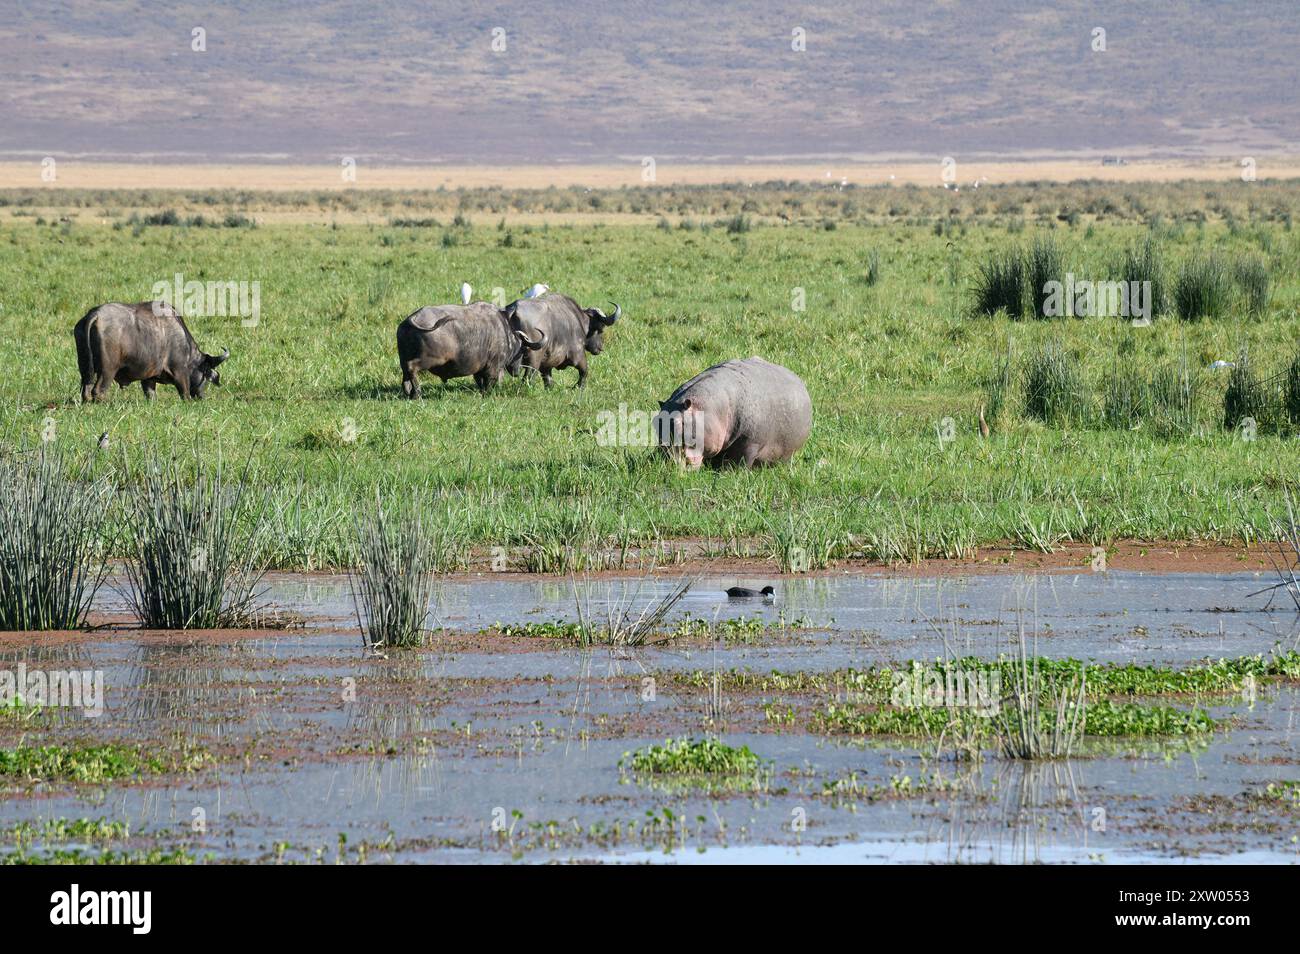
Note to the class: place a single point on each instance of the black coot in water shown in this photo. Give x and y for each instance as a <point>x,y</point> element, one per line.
<point>744,592</point>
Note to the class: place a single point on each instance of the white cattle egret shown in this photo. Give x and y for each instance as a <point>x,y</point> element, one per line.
<point>466,293</point>
<point>537,291</point>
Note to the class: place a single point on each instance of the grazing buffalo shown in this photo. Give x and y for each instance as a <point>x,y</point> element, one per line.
<point>571,332</point>
<point>746,411</point>
<point>146,342</point>
<point>454,341</point>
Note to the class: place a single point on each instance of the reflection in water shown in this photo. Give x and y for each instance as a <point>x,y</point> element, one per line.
<point>183,687</point>
<point>392,713</point>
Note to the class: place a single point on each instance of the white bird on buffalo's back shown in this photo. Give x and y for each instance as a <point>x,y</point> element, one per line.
<point>466,293</point>
<point>537,291</point>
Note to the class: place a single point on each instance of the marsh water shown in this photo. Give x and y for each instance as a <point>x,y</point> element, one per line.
<point>321,750</point>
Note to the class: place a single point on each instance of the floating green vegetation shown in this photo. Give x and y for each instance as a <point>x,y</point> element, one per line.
<point>687,756</point>
<point>78,856</point>
<point>852,788</point>
<point>63,829</point>
<point>558,629</point>
<point>737,630</point>
<point>1285,792</point>
<point>876,685</point>
<point>1102,718</point>
<point>94,764</point>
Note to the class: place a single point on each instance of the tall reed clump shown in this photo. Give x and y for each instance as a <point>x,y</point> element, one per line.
<point>1126,401</point>
<point>1291,392</point>
<point>1245,400</point>
<point>872,275</point>
<point>623,625</point>
<point>51,563</point>
<point>1000,284</point>
<point>1043,264</point>
<point>1055,391</point>
<point>999,386</point>
<point>1252,281</point>
<point>1202,289</point>
<point>1037,718</point>
<point>1173,392</point>
<point>190,565</point>
<point>1144,264</point>
<point>392,585</point>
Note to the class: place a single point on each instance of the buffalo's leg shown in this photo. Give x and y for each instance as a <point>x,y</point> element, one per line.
<point>103,383</point>
<point>411,382</point>
<point>148,387</point>
<point>86,367</point>
<point>582,372</point>
<point>482,382</point>
<point>546,377</point>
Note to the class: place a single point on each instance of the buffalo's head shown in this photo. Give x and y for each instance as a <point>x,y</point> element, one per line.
<point>597,322</point>
<point>204,372</point>
<point>522,344</point>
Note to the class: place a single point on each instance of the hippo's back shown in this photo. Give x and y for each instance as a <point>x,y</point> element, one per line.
<point>769,404</point>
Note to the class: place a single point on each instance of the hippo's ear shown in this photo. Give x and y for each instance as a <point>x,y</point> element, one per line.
<point>687,404</point>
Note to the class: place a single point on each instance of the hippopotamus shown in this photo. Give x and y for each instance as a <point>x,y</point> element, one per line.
<point>745,411</point>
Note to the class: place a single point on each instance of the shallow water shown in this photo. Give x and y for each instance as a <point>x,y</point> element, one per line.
<point>432,751</point>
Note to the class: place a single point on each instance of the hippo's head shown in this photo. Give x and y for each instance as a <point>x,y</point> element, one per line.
<point>677,432</point>
<point>597,322</point>
<point>522,345</point>
<point>204,372</point>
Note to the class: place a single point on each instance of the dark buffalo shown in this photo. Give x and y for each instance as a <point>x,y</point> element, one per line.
<point>747,412</point>
<point>455,341</point>
<point>146,342</point>
<point>572,332</point>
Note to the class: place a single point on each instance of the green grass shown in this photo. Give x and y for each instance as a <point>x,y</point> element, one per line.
<point>310,399</point>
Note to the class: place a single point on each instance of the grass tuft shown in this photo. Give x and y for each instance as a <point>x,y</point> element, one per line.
<point>190,566</point>
<point>1055,392</point>
<point>1000,284</point>
<point>1202,289</point>
<point>50,559</point>
<point>393,585</point>
<point>1043,264</point>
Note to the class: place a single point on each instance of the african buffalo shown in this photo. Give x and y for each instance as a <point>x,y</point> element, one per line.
<point>746,411</point>
<point>454,341</point>
<point>571,332</point>
<point>146,342</point>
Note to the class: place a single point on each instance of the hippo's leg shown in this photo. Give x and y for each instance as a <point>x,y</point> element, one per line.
<point>750,454</point>
<point>148,387</point>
